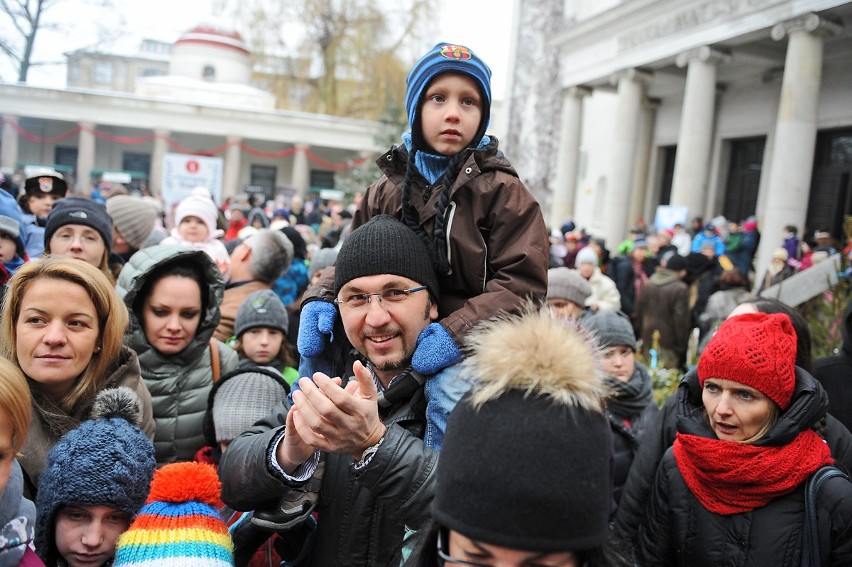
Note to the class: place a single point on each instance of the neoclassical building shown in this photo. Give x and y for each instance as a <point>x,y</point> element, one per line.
<point>126,114</point>
<point>732,107</point>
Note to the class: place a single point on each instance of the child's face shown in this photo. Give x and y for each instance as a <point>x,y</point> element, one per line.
<point>193,229</point>
<point>40,204</point>
<point>8,248</point>
<point>262,344</point>
<point>7,455</point>
<point>86,535</point>
<point>451,113</point>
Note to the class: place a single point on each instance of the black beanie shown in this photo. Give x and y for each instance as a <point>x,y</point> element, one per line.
<point>76,210</point>
<point>526,459</point>
<point>385,246</point>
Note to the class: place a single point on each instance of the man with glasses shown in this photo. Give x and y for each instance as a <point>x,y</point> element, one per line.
<point>366,428</point>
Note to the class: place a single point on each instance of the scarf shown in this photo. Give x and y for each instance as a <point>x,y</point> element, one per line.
<point>730,478</point>
<point>628,399</point>
<point>17,515</point>
<point>433,166</point>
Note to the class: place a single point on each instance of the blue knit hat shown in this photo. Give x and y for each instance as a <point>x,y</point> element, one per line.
<point>446,58</point>
<point>106,461</point>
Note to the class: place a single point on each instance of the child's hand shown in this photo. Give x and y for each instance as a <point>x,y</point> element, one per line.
<point>435,351</point>
<point>315,324</point>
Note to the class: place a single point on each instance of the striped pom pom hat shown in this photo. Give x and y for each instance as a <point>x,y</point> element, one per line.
<point>179,526</point>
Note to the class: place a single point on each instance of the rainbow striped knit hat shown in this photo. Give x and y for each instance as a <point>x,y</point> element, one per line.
<point>179,525</point>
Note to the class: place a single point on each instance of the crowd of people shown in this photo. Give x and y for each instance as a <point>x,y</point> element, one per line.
<point>420,378</point>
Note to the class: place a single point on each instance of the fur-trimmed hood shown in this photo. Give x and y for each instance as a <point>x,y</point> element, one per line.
<point>538,354</point>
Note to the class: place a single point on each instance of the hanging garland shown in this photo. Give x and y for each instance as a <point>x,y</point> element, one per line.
<point>178,147</point>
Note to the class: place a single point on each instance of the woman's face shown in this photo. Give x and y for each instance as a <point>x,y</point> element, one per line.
<point>78,241</point>
<point>474,552</point>
<point>171,314</point>
<point>737,412</point>
<point>57,334</point>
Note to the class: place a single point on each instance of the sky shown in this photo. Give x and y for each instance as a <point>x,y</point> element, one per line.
<point>482,25</point>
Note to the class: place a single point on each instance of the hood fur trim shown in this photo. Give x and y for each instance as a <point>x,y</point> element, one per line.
<point>537,353</point>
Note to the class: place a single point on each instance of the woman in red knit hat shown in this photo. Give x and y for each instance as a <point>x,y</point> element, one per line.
<point>730,491</point>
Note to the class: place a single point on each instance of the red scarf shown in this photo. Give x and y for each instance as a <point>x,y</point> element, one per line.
<point>730,478</point>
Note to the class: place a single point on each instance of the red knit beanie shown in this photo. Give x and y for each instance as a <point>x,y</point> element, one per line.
<point>755,349</point>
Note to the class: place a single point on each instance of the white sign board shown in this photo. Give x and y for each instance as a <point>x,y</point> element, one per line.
<point>184,172</point>
<point>669,215</point>
<point>802,286</point>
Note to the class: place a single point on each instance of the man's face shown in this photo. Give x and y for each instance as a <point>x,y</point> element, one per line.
<point>383,331</point>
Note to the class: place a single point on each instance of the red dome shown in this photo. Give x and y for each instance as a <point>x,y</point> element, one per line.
<point>209,35</point>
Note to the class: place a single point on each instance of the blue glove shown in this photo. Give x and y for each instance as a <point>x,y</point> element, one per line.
<point>315,325</point>
<point>435,351</point>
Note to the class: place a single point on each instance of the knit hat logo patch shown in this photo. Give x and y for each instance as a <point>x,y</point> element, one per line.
<point>78,215</point>
<point>455,52</point>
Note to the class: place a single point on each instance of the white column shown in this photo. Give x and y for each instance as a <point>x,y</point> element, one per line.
<point>795,129</point>
<point>231,174</point>
<point>644,141</point>
<point>85,157</point>
<point>617,199</point>
<point>567,160</point>
<point>158,156</point>
<point>9,148</point>
<point>301,176</point>
<point>692,162</point>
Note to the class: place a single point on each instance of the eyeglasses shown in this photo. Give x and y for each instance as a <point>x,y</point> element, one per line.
<point>444,558</point>
<point>616,354</point>
<point>388,296</point>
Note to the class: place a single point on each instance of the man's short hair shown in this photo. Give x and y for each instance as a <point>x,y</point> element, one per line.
<point>271,253</point>
<point>384,245</point>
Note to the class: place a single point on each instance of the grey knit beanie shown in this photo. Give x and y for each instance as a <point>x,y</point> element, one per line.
<point>243,399</point>
<point>133,217</point>
<point>612,328</point>
<point>563,283</point>
<point>384,245</point>
<point>586,256</point>
<point>106,461</point>
<point>261,309</point>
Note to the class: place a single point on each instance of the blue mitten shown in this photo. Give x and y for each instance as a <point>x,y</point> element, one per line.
<point>315,324</point>
<point>435,351</point>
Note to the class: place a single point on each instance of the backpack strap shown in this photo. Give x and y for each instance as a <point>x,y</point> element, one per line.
<point>214,360</point>
<point>811,556</point>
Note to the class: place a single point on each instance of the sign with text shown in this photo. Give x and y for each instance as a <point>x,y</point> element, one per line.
<point>184,172</point>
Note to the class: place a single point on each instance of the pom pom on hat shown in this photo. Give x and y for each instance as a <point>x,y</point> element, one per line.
<point>179,526</point>
<point>755,349</point>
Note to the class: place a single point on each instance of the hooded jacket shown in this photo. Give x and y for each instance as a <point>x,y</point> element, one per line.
<point>678,530</point>
<point>498,243</point>
<point>835,375</point>
<point>179,383</point>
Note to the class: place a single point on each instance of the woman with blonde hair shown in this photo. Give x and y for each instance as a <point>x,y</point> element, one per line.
<point>63,325</point>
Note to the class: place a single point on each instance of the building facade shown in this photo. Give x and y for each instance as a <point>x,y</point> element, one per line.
<point>128,120</point>
<point>731,107</point>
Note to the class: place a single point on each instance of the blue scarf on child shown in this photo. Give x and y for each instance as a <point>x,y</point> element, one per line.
<point>432,166</point>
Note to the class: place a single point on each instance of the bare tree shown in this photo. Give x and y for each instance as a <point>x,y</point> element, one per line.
<point>21,22</point>
<point>351,56</point>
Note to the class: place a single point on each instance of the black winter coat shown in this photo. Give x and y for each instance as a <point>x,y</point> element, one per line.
<point>678,530</point>
<point>362,515</point>
<point>661,434</point>
<point>835,375</point>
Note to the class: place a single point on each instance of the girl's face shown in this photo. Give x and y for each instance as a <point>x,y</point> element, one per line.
<point>8,247</point>
<point>471,552</point>
<point>619,362</point>
<point>737,412</point>
<point>193,229</point>
<point>261,345</point>
<point>57,333</point>
<point>86,536</point>
<point>80,242</point>
<point>171,314</point>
